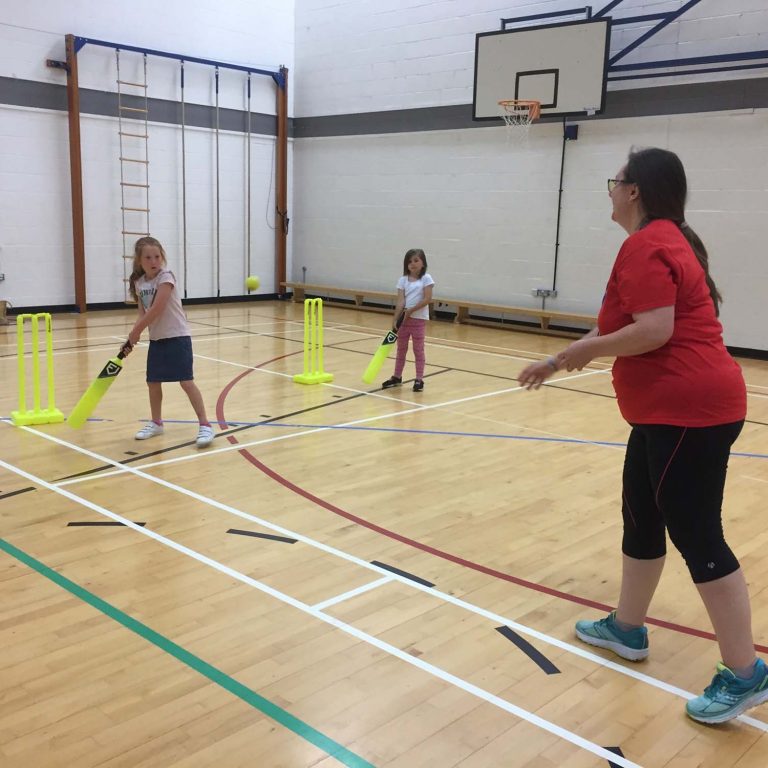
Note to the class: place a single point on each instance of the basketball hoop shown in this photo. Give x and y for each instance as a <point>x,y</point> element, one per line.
<point>518,114</point>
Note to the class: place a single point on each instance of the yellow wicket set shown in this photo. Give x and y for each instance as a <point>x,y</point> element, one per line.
<point>37,414</point>
<point>313,345</point>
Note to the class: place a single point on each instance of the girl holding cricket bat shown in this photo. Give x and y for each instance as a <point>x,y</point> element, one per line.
<point>170,345</point>
<point>414,293</point>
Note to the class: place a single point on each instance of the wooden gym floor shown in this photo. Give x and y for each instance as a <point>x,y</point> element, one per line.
<point>347,576</point>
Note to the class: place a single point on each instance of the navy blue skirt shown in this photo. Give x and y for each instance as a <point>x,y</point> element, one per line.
<point>170,359</point>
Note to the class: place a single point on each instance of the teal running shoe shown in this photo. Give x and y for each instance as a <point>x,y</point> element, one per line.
<point>727,696</point>
<point>631,645</point>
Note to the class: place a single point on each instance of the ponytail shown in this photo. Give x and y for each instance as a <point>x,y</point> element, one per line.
<point>135,275</point>
<point>660,178</point>
<point>701,254</point>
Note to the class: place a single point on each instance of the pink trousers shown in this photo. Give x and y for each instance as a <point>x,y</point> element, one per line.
<point>416,329</point>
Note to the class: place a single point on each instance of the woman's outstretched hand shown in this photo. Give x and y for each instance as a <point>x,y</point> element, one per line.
<point>535,374</point>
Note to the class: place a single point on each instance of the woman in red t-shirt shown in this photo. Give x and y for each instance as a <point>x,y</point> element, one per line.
<point>685,398</point>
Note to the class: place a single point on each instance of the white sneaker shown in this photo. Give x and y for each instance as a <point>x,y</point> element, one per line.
<point>149,430</point>
<point>204,436</point>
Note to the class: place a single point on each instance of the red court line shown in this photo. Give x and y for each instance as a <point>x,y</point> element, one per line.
<point>284,481</point>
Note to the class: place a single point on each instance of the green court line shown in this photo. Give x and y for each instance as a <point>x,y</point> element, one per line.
<point>286,719</point>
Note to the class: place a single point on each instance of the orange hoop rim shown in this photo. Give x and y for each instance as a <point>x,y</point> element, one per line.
<point>514,106</point>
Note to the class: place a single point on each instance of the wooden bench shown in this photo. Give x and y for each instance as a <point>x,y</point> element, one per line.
<point>502,315</point>
<point>546,317</point>
<point>357,297</point>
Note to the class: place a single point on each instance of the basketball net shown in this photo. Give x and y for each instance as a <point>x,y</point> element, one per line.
<point>518,114</point>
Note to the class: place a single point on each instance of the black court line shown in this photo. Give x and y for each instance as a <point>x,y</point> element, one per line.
<point>250,333</point>
<point>616,751</point>
<point>98,523</point>
<point>234,430</point>
<point>16,493</point>
<point>270,536</point>
<point>338,345</point>
<point>534,654</point>
<point>392,390</point>
<point>405,574</point>
<point>96,346</point>
<point>578,391</point>
<point>223,433</point>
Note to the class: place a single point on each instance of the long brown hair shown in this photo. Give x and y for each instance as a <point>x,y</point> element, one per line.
<point>663,188</point>
<point>138,271</point>
<point>415,252</point>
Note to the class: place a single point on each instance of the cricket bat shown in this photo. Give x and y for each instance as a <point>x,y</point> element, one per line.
<point>88,402</point>
<point>382,353</point>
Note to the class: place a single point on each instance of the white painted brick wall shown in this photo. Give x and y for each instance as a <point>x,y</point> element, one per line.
<point>35,218</point>
<point>345,49</point>
<point>236,31</point>
<point>35,223</point>
<point>484,210</point>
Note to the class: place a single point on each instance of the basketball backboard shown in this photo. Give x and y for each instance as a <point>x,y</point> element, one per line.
<point>561,65</point>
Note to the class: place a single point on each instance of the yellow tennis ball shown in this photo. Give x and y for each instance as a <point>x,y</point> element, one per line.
<point>252,283</point>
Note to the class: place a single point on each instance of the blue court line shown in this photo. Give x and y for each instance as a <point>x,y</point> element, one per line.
<point>286,719</point>
<point>531,438</point>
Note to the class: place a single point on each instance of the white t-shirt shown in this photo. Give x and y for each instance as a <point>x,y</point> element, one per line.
<point>414,293</point>
<point>172,322</point>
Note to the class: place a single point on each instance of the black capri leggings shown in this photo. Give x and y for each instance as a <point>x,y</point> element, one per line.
<point>674,479</point>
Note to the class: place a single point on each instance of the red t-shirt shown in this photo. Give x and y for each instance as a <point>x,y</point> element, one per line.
<point>691,381</point>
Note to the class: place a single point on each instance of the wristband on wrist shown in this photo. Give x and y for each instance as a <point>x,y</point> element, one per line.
<point>552,363</point>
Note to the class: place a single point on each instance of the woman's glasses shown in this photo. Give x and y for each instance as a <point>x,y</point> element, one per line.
<point>613,182</point>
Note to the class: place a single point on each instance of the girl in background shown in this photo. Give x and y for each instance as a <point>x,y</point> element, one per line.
<point>414,294</point>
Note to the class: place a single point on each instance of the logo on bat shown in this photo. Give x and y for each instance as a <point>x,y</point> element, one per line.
<point>110,370</point>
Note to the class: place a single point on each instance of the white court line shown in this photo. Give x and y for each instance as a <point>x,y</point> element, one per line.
<point>270,372</point>
<point>537,431</point>
<point>352,593</point>
<point>434,341</point>
<point>88,347</point>
<point>756,479</point>
<point>279,438</point>
<point>521,628</point>
<point>431,669</point>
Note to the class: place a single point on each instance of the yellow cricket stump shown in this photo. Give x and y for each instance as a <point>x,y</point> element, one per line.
<point>313,345</point>
<point>37,414</point>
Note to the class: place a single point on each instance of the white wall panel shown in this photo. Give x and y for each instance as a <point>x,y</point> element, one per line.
<point>345,48</point>
<point>239,32</point>
<point>35,219</point>
<point>484,210</point>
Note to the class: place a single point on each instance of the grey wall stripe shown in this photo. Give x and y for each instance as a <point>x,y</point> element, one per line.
<point>637,102</point>
<point>31,93</point>
<point>391,121</point>
<point>751,93</point>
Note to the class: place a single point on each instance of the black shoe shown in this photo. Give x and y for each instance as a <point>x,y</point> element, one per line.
<point>392,381</point>
<point>418,385</point>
